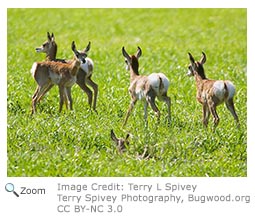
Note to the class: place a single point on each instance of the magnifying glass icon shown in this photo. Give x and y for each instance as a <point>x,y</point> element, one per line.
<point>9,187</point>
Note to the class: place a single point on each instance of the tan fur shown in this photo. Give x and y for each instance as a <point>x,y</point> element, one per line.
<point>50,73</point>
<point>143,88</point>
<point>84,76</point>
<point>211,93</point>
<point>121,143</point>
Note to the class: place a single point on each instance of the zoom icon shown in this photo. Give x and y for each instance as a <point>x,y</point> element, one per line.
<point>9,187</point>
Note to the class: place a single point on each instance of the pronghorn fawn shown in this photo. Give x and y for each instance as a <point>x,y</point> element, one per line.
<point>49,73</point>
<point>211,93</point>
<point>121,143</point>
<point>50,48</point>
<point>145,88</point>
<point>85,71</point>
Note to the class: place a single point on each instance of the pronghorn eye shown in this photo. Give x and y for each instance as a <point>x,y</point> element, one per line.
<point>126,61</point>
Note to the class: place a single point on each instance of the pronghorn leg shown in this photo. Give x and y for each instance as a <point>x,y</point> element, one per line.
<point>206,114</point>
<point>47,89</point>
<point>151,101</point>
<point>145,112</point>
<point>212,108</point>
<point>95,88</point>
<point>36,92</point>
<point>231,108</point>
<point>131,106</point>
<point>69,97</point>
<point>66,100</point>
<point>87,91</point>
<point>81,82</point>
<point>168,103</point>
<point>61,97</point>
<point>34,100</point>
<point>39,93</point>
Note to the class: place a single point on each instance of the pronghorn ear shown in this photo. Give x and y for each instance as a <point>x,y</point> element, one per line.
<point>49,37</point>
<point>192,61</point>
<point>113,136</point>
<point>203,59</point>
<point>87,48</point>
<point>126,140</point>
<point>52,37</point>
<point>73,46</point>
<point>139,52</point>
<point>127,136</point>
<point>125,54</point>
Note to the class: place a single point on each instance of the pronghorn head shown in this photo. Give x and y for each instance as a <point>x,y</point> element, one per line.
<point>47,46</point>
<point>197,66</point>
<point>132,60</point>
<point>85,50</point>
<point>120,142</point>
<point>79,55</point>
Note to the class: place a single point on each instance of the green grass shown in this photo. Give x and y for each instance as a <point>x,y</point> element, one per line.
<point>78,143</point>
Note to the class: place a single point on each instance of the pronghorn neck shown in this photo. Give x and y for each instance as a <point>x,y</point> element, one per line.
<point>133,75</point>
<point>134,68</point>
<point>198,78</point>
<point>76,64</point>
<point>51,55</point>
<point>199,82</point>
<point>200,70</point>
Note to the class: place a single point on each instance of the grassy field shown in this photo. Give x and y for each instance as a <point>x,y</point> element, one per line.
<point>78,143</point>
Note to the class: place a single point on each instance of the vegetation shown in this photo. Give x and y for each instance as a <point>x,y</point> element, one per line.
<point>78,143</point>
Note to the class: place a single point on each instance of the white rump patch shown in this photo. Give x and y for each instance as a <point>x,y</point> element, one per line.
<point>219,89</point>
<point>154,80</point>
<point>231,89</point>
<point>33,69</point>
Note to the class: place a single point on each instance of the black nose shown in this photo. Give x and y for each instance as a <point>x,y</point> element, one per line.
<point>83,61</point>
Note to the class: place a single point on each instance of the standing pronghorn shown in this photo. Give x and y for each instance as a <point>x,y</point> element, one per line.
<point>85,72</point>
<point>49,73</point>
<point>145,88</point>
<point>211,93</point>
